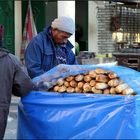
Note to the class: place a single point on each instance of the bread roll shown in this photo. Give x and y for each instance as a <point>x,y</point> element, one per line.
<point>80,84</point>
<point>70,89</point>
<point>70,78</point>
<point>66,84</point>
<point>87,78</point>
<point>112,90</point>
<point>86,87</point>
<point>114,82</point>
<point>101,71</point>
<point>112,75</point>
<point>121,87</point>
<point>106,91</point>
<point>92,83</point>
<point>101,86</point>
<point>73,83</point>
<point>56,88</point>
<point>102,78</point>
<point>78,90</point>
<point>92,73</point>
<point>62,88</point>
<point>79,77</point>
<point>94,90</point>
<point>128,91</point>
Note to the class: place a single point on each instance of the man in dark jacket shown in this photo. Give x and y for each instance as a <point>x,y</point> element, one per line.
<point>51,47</point>
<point>13,80</point>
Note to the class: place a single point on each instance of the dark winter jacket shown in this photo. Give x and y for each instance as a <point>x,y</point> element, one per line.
<point>13,80</point>
<point>40,54</point>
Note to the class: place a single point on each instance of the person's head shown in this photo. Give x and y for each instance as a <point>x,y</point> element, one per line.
<point>62,28</point>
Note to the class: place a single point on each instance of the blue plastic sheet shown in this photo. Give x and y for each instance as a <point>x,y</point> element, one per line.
<point>49,115</point>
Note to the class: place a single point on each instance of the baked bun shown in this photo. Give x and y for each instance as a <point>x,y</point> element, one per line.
<point>102,78</point>
<point>94,90</point>
<point>73,83</point>
<point>101,71</point>
<point>106,91</point>
<point>128,91</point>
<point>121,87</point>
<point>70,89</point>
<point>114,82</point>
<point>79,77</point>
<point>112,75</point>
<point>101,85</point>
<point>92,73</point>
<point>70,78</point>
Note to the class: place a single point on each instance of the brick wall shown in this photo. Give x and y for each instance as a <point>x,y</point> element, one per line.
<point>129,22</point>
<point>105,41</point>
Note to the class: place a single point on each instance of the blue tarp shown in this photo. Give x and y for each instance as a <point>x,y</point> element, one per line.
<point>49,115</point>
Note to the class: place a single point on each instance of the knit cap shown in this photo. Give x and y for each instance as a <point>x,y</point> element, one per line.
<point>64,23</point>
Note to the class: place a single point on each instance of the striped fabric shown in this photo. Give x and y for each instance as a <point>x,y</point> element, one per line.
<point>28,32</point>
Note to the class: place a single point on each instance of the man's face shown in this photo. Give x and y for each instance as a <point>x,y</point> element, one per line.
<point>60,37</point>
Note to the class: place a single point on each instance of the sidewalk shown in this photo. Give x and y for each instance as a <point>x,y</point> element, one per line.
<point>11,129</point>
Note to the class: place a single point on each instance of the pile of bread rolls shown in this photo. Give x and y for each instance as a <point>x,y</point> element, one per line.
<point>95,81</point>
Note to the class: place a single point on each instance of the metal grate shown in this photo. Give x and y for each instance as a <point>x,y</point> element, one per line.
<point>129,30</point>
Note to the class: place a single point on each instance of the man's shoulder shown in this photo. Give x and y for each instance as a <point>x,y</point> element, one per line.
<point>14,58</point>
<point>41,36</point>
<point>38,36</point>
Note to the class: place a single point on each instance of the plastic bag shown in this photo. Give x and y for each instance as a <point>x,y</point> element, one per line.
<point>129,76</point>
<point>49,115</point>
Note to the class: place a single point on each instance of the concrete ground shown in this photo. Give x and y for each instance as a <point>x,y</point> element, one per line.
<point>11,129</point>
